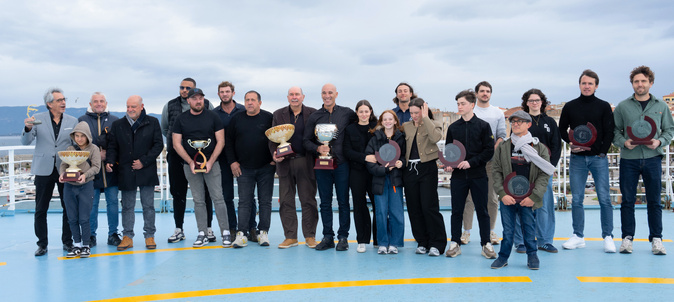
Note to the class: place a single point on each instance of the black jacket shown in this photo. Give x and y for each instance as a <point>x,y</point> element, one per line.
<point>103,179</point>
<point>476,136</point>
<point>378,171</point>
<point>125,146</point>
<point>340,116</point>
<point>354,145</point>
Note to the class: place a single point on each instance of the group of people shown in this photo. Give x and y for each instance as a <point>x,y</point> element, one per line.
<point>207,147</point>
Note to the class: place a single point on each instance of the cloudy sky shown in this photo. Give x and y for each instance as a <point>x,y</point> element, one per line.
<point>364,47</point>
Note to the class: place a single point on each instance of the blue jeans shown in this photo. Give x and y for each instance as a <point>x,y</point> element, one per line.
<point>545,220</point>
<point>77,199</point>
<point>264,179</point>
<point>508,215</point>
<point>650,170</point>
<point>579,166</point>
<point>339,177</point>
<point>111,208</point>
<point>390,216</point>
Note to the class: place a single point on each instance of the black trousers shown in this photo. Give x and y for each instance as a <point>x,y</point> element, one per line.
<point>44,188</point>
<point>360,182</point>
<point>423,206</point>
<point>478,191</point>
<point>178,184</point>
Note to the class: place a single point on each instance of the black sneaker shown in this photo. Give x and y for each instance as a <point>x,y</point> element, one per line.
<point>499,263</point>
<point>114,239</point>
<point>40,251</point>
<point>342,244</point>
<point>92,241</point>
<point>326,243</point>
<point>533,262</point>
<point>74,252</point>
<point>68,247</point>
<point>85,252</point>
<point>252,235</point>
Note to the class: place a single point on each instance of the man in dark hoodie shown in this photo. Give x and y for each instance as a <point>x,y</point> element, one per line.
<point>588,108</point>
<point>100,120</point>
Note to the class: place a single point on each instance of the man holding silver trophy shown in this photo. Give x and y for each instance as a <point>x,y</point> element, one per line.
<point>198,137</point>
<point>328,122</point>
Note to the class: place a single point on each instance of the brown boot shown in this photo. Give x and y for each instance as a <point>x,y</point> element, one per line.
<point>149,243</point>
<point>126,243</point>
<point>311,242</point>
<point>287,243</point>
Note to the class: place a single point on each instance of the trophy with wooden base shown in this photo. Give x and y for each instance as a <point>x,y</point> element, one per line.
<point>73,159</point>
<point>281,134</point>
<point>28,111</point>
<point>325,133</point>
<point>517,186</point>
<point>642,132</point>
<point>455,153</point>
<point>583,136</point>
<point>198,145</point>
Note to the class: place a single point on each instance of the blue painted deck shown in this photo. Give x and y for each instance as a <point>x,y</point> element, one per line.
<point>259,273</point>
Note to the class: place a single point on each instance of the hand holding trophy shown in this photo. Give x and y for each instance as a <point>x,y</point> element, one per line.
<point>325,133</point>
<point>281,134</point>
<point>31,119</point>
<point>73,159</point>
<point>199,144</point>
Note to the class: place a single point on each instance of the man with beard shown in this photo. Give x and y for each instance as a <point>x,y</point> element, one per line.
<point>199,124</point>
<point>177,180</point>
<point>644,159</point>
<point>133,146</point>
<point>249,157</point>
<point>404,93</point>
<point>51,136</point>
<point>227,109</point>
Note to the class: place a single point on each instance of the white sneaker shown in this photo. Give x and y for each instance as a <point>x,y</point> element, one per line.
<point>493,238</point>
<point>488,251</point>
<point>574,242</point>
<point>626,246</point>
<point>421,250</point>
<point>361,248</point>
<point>382,250</point>
<point>177,236</point>
<point>609,245</point>
<point>433,252</point>
<point>240,241</point>
<point>263,238</point>
<point>392,250</point>
<point>210,235</point>
<point>465,237</point>
<point>658,248</point>
<point>454,250</point>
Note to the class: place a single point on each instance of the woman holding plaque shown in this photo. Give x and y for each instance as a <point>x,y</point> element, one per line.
<point>387,181</point>
<point>78,195</point>
<point>356,137</point>
<point>421,179</point>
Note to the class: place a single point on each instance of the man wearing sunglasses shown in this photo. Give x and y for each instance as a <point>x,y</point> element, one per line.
<point>177,179</point>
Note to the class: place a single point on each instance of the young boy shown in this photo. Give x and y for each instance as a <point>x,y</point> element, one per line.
<point>476,136</point>
<point>526,156</point>
<point>78,196</point>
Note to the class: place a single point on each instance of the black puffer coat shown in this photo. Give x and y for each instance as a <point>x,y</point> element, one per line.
<point>378,171</point>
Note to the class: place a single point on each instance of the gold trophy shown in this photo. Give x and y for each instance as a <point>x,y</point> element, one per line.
<point>73,159</point>
<point>199,144</point>
<point>28,111</point>
<point>281,134</point>
<point>325,133</point>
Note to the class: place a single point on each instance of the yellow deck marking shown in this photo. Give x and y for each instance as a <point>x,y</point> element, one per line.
<point>614,239</point>
<point>627,280</point>
<point>300,286</point>
<point>3,263</point>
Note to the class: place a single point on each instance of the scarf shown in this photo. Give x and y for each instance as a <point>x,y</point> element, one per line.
<point>523,144</point>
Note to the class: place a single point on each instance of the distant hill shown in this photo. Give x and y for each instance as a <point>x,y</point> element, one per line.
<point>12,117</point>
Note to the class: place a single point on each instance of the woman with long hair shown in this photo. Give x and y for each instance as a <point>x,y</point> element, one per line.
<point>387,182</point>
<point>356,137</point>
<point>421,179</point>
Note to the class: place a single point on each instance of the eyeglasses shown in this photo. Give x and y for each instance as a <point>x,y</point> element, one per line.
<point>61,100</point>
<point>185,88</point>
<point>534,101</point>
<point>518,122</point>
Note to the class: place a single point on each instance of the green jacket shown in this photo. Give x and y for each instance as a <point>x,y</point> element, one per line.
<point>628,111</point>
<point>503,166</point>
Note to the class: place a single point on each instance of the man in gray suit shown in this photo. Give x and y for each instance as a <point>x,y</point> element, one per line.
<point>51,135</point>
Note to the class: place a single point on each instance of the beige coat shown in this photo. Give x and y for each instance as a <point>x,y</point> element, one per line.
<point>428,134</point>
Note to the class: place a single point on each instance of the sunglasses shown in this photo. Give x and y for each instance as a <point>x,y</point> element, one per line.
<point>185,88</point>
